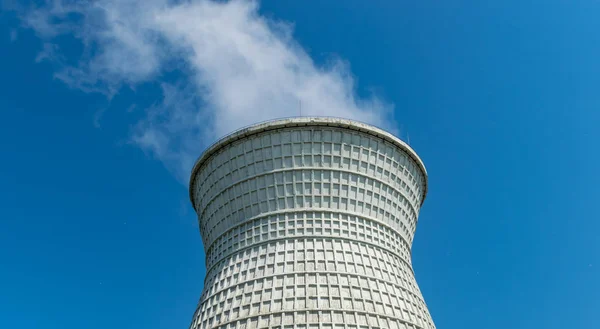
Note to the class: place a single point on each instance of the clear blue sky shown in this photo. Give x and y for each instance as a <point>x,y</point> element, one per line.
<point>501,100</point>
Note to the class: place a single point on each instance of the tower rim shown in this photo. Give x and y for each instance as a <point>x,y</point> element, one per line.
<point>316,121</point>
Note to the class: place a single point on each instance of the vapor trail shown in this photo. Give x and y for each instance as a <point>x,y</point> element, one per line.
<point>236,68</point>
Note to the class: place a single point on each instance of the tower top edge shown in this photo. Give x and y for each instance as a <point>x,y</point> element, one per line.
<point>299,122</point>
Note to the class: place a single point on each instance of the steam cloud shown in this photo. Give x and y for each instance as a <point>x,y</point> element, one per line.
<point>238,68</point>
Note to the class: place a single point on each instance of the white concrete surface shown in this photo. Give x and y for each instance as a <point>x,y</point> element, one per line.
<point>308,223</point>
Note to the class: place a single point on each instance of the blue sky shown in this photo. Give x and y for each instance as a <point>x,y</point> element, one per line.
<point>501,101</point>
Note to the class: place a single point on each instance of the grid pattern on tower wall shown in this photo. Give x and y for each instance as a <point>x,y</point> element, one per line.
<point>326,274</point>
<point>306,223</point>
<point>309,228</point>
<point>307,189</point>
<point>240,165</point>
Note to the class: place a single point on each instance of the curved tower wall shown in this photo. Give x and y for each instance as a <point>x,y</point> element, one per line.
<point>308,223</point>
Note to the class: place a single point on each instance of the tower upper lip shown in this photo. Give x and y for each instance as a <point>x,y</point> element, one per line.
<point>304,122</point>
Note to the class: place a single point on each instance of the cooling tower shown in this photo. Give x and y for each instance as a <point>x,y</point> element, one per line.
<point>309,223</point>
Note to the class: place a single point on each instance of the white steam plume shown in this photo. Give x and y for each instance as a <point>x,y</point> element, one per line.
<point>238,68</point>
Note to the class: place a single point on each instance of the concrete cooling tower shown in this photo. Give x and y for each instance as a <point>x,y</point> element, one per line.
<point>309,223</point>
